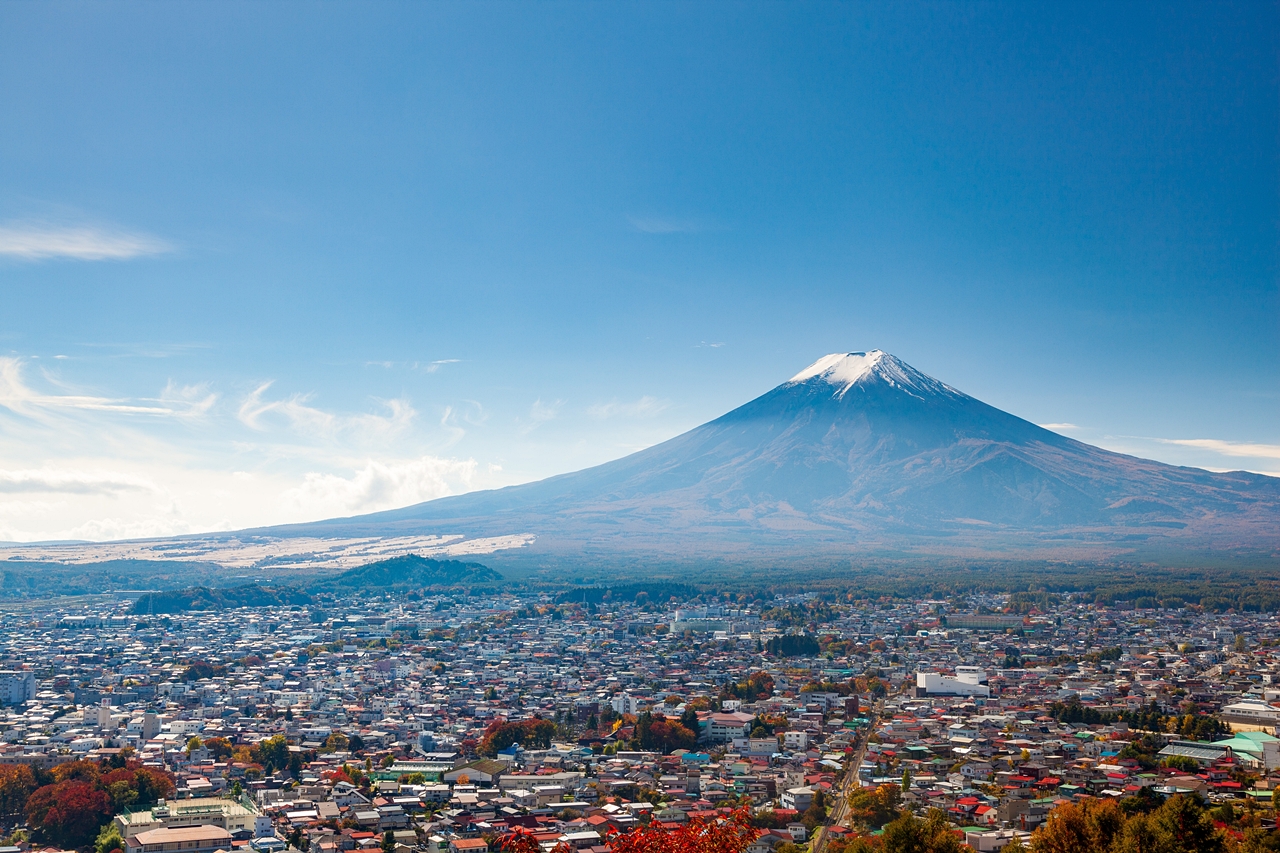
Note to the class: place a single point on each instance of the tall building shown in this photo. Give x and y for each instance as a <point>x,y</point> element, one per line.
<point>16,687</point>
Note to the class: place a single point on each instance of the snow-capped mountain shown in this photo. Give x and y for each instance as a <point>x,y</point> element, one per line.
<point>860,450</point>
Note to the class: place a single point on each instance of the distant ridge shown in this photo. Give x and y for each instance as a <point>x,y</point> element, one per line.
<point>409,572</point>
<point>860,453</point>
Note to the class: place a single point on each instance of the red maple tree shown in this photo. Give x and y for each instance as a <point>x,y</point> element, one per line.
<point>725,833</point>
<point>524,840</point>
<point>68,813</point>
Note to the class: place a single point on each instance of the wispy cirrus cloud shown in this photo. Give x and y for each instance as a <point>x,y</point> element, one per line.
<point>71,481</point>
<point>539,414</point>
<point>645,407</point>
<point>256,411</point>
<point>20,397</point>
<point>31,241</point>
<point>424,366</point>
<point>1242,449</point>
<point>1060,427</point>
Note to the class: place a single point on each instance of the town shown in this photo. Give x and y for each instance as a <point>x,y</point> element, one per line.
<point>445,721</point>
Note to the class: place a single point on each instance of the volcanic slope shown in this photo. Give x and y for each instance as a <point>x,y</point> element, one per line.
<point>860,450</point>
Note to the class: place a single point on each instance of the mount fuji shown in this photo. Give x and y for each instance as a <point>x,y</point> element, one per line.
<point>860,453</point>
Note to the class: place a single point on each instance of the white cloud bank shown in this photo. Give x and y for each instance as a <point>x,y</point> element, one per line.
<point>380,485</point>
<point>37,242</point>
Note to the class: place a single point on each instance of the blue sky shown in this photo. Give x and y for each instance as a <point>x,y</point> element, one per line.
<point>263,262</point>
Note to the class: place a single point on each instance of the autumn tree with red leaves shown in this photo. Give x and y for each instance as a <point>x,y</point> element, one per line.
<point>726,833</point>
<point>536,733</point>
<point>69,813</point>
<point>523,840</point>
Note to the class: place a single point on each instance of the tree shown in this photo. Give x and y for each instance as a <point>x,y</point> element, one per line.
<point>729,833</point>
<point>388,842</point>
<point>219,747</point>
<point>910,834</point>
<point>68,813</point>
<point>1259,840</point>
<point>17,782</point>
<point>1181,762</point>
<point>872,808</point>
<point>108,839</point>
<point>524,840</point>
<point>1183,825</point>
<point>662,735</point>
<point>335,742</point>
<point>1084,827</point>
<point>689,719</point>
<point>816,814</point>
<point>272,753</point>
<point>500,734</point>
<point>193,743</point>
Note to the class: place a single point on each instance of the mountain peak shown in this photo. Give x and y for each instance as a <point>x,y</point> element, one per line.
<point>845,370</point>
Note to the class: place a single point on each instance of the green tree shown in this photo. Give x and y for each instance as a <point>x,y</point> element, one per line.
<point>272,753</point>
<point>388,842</point>
<point>910,834</point>
<point>1183,825</point>
<point>108,839</point>
<point>816,815</point>
<point>1181,762</point>
<point>689,719</point>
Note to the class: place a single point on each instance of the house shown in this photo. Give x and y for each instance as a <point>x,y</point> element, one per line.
<point>797,798</point>
<point>468,845</point>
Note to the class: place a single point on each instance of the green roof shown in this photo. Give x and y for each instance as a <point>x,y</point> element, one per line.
<point>1251,742</point>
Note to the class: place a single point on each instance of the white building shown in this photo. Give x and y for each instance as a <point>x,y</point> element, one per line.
<point>968,681</point>
<point>796,741</point>
<point>16,687</point>
<point>1251,715</point>
<point>723,728</point>
<point>221,812</point>
<point>797,798</point>
<point>627,704</point>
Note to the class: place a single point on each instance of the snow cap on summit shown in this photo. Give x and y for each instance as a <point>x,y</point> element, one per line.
<point>844,370</point>
<point>841,368</point>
